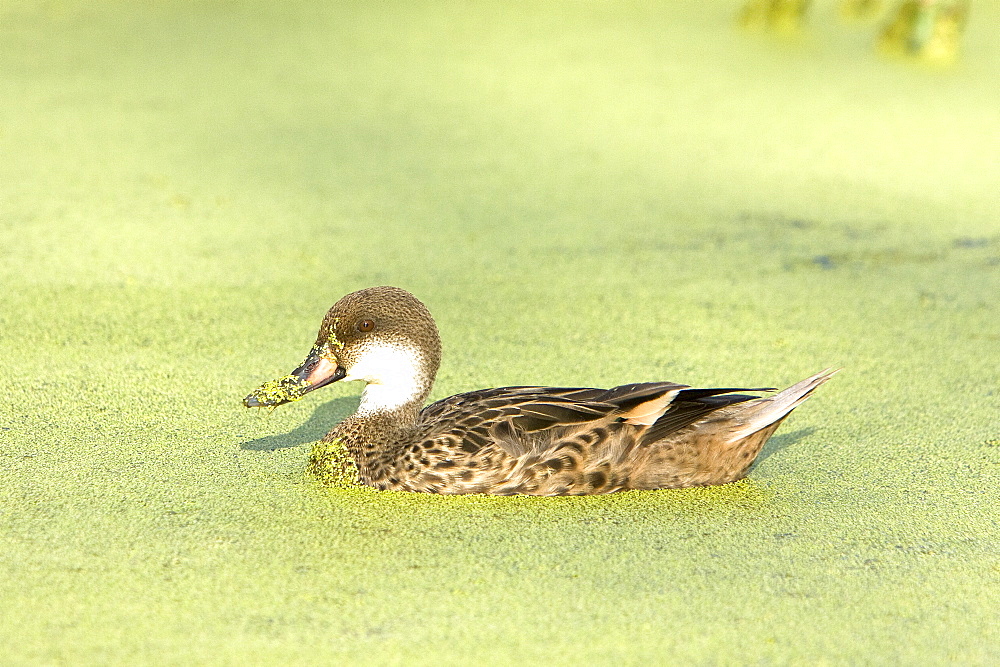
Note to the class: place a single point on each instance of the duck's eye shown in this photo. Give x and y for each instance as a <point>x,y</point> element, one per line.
<point>366,325</point>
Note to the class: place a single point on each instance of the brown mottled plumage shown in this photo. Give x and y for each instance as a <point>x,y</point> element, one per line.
<point>520,440</point>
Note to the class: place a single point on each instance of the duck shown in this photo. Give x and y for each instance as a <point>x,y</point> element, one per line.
<point>522,440</point>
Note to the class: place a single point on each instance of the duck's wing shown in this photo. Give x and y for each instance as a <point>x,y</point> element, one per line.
<point>528,419</point>
<point>515,419</point>
<point>471,420</point>
<point>523,419</point>
<point>689,406</point>
<point>485,402</point>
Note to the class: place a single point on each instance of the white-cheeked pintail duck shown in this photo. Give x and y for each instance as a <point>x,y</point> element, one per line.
<point>513,440</point>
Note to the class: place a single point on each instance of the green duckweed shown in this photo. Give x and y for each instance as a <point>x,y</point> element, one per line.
<point>282,390</point>
<point>333,465</point>
<point>334,342</point>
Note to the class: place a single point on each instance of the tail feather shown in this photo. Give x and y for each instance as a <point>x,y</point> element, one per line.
<point>766,411</point>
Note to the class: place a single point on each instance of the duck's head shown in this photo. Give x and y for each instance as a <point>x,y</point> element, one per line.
<point>382,335</point>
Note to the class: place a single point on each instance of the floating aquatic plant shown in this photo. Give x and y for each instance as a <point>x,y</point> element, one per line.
<point>333,465</point>
<point>334,342</point>
<point>282,390</point>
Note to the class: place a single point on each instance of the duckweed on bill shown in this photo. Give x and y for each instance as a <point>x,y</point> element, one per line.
<point>282,390</point>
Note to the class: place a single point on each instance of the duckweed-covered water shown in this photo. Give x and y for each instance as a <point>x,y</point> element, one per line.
<point>583,193</point>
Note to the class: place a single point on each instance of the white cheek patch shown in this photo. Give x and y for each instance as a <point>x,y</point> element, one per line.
<point>394,375</point>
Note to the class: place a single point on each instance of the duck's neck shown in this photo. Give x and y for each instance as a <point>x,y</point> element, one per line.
<point>399,399</point>
<point>374,441</point>
<point>398,379</point>
<point>396,376</point>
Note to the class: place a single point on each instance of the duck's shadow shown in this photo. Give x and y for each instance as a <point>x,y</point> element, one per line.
<point>323,418</point>
<point>779,442</point>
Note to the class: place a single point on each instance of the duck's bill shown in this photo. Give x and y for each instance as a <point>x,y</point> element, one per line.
<point>315,372</point>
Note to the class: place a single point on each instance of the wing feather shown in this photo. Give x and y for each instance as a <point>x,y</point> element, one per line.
<point>526,419</point>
